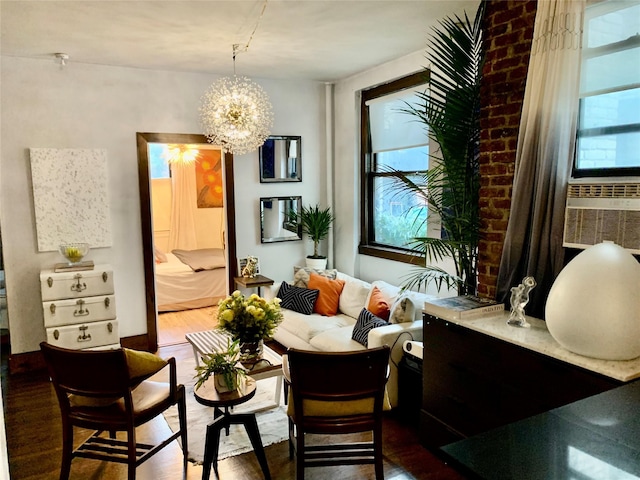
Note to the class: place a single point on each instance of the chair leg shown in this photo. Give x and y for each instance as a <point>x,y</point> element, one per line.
<point>299,455</point>
<point>67,450</point>
<point>291,438</point>
<point>182,414</point>
<point>131,453</point>
<point>377,449</point>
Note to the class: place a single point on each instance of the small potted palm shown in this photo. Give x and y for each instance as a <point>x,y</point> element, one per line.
<point>224,366</point>
<point>316,223</point>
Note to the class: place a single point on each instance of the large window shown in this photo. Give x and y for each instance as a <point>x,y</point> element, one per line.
<point>392,139</point>
<point>608,140</point>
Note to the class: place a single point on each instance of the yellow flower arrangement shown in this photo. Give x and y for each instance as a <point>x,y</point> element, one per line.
<point>249,319</point>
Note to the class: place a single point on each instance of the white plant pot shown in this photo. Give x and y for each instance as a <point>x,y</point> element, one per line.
<point>317,263</point>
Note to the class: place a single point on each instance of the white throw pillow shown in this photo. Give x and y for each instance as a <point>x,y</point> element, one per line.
<point>353,297</point>
<point>402,310</point>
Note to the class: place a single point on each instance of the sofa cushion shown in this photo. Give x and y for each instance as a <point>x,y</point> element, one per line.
<point>389,292</point>
<point>378,304</point>
<point>336,340</point>
<point>329,296</point>
<point>402,310</point>
<point>301,275</point>
<point>354,295</point>
<point>306,327</point>
<point>366,322</point>
<point>297,299</point>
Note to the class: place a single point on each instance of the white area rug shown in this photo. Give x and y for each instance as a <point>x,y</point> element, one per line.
<point>272,423</point>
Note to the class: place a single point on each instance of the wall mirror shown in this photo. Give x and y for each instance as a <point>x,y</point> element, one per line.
<point>278,219</point>
<point>281,159</point>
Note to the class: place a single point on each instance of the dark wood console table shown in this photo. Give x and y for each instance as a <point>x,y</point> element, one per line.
<point>480,374</point>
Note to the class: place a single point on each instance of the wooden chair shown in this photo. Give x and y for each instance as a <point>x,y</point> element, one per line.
<point>336,393</point>
<point>95,391</point>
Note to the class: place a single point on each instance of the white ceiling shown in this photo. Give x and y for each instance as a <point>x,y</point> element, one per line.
<point>300,39</point>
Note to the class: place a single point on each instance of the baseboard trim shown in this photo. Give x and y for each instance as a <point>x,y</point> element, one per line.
<point>33,361</point>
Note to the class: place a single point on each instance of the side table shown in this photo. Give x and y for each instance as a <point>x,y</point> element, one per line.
<point>209,396</point>
<point>255,282</point>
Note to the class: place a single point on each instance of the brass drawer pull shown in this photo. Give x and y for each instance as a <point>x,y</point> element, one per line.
<point>85,337</point>
<point>50,282</point>
<point>107,302</point>
<point>52,308</point>
<point>56,334</point>
<point>110,327</point>
<point>105,277</point>
<point>78,287</point>
<point>82,312</point>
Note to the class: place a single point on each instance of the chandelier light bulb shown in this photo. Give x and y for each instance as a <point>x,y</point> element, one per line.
<point>236,114</point>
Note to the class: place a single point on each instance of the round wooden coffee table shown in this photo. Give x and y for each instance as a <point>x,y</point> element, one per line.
<point>209,396</point>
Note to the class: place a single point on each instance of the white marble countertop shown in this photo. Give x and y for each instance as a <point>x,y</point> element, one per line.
<point>538,339</point>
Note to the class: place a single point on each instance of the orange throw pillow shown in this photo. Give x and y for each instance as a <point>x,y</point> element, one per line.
<point>329,296</point>
<point>378,305</point>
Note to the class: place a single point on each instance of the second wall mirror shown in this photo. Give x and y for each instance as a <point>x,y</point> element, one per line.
<point>281,159</point>
<point>279,219</point>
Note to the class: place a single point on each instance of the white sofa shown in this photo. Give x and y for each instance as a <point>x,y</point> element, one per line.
<point>333,333</point>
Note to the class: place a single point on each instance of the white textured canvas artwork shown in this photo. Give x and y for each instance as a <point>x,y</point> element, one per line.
<point>70,197</point>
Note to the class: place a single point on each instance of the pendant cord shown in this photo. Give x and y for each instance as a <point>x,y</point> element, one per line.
<point>245,48</point>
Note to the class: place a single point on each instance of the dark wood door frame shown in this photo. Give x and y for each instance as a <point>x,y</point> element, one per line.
<point>144,180</point>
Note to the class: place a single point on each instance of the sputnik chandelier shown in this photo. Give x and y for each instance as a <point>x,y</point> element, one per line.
<point>236,112</point>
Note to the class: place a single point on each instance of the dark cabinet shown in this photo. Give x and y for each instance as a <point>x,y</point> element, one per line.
<point>473,382</point>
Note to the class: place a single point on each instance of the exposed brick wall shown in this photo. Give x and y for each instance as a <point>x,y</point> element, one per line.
<point>509,30</point>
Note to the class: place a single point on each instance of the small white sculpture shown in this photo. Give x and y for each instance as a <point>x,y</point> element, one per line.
<point>249,270</point>
<point>519,299</point>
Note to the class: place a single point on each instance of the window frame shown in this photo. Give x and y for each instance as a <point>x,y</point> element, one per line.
<point>622,45</point>
<point>367,245</point>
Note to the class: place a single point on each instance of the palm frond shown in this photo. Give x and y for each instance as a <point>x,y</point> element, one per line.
<point>450,111</point>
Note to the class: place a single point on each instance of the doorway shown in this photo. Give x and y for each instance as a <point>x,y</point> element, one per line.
<point>143,141</point>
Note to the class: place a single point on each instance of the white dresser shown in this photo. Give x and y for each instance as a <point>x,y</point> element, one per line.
<point>80,308</point>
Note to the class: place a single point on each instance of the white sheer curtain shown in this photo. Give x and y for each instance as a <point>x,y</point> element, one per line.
<point>182,232</point>
<point>546,142</point>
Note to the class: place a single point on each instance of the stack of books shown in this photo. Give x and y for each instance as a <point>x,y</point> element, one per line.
<point>463,307</point>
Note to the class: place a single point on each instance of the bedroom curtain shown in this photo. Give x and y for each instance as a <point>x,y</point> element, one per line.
<point>544,154</point>
<point>182,230</point>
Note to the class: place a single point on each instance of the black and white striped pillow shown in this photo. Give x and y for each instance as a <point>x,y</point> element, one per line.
<point>366,322</point>
<point>298,299</point>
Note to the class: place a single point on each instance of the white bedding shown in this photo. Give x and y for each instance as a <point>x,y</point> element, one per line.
<point>178,287</point>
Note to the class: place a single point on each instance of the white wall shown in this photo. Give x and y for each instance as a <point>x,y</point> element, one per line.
<point>94,106</point>
<point>347,175</point>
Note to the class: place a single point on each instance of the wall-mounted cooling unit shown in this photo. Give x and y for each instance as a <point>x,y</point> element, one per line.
<point>602,211</point>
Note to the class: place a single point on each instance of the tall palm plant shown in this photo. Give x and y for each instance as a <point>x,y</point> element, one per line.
<point>450,111</point>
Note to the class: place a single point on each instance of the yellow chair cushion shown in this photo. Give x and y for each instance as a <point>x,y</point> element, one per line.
<point>143,364</point>
<point>321,408</point>
<point>140,364</point>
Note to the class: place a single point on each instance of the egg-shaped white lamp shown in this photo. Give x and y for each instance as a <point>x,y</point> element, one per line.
<point>593,308</point>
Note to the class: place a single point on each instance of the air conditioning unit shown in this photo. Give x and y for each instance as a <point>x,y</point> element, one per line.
<point>602,210</point>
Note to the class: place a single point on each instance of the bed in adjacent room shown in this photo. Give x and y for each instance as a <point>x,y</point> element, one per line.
<point>187,279</point>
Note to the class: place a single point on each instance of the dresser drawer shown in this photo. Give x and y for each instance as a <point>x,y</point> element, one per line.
<point>84,335</point>
<point>86,283</point>
<point>71,311</point>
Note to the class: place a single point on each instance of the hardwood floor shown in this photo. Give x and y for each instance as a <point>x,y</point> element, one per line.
<point>34,442</point>
<point>173,325</point>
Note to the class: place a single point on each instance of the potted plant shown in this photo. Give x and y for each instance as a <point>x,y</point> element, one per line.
<point>249,321</point>
<point>451,112</point>
<point>316,223</point>
<point>224,366</point>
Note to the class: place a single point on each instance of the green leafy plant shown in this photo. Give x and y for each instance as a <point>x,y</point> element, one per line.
<point>451,112</point>
<point>223,363</point>
<point>249,319</point>
<point>316,223</point>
